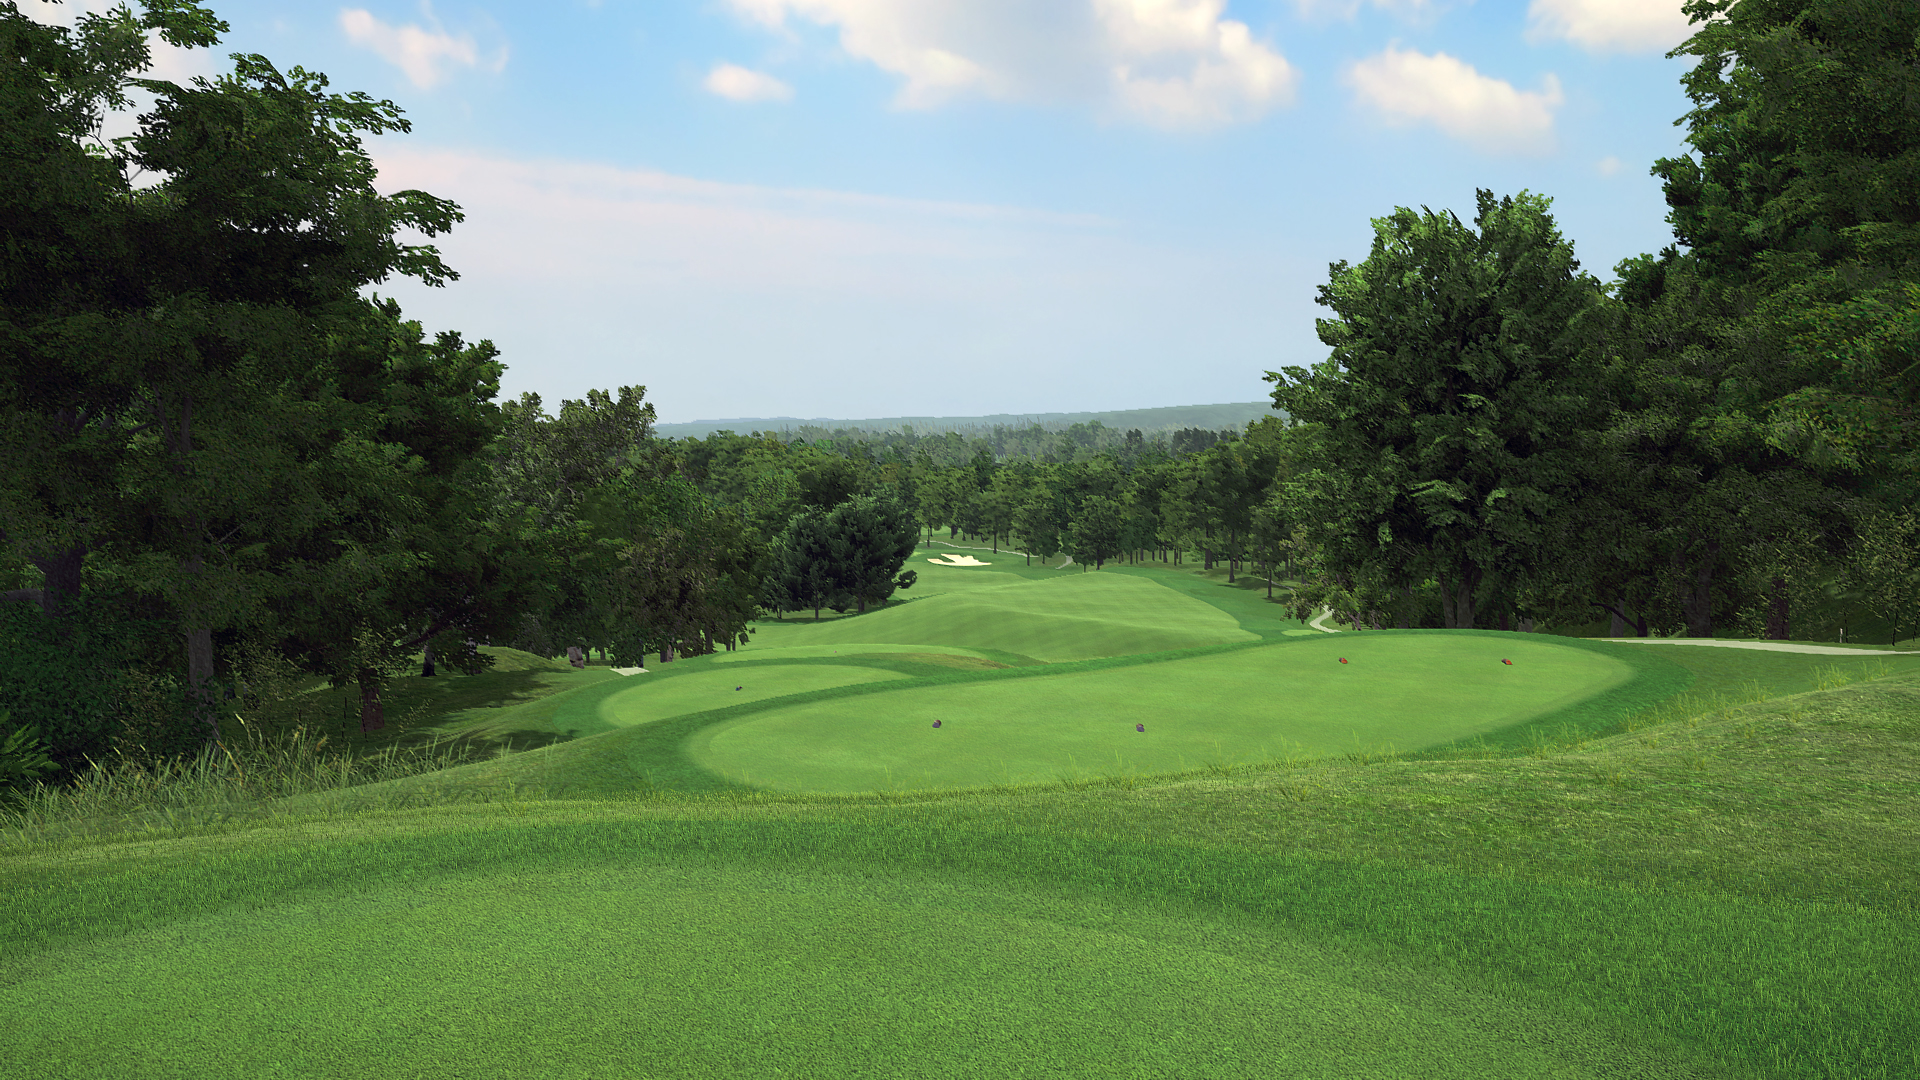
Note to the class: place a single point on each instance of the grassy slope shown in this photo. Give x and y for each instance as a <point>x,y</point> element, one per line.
<point>1072,617</point>
<point>1740,886</point>
<point>1471,902</point>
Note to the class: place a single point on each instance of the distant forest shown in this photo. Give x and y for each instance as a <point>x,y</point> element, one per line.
<point>1163,421</point>
<point>1008,442</point>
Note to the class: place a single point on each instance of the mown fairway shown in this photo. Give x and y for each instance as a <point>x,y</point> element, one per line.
<point>1071,617</point>
<point>1596,861</point>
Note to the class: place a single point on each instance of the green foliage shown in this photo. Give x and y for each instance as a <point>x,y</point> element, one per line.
<point>871,538</point>
<point>1095,535</point>
<point>23,756</point>
<point>1885,567</point>
<point>687,573</point>
<point>67,678</point>
<point>1450,405</point>
<point>845,558</point>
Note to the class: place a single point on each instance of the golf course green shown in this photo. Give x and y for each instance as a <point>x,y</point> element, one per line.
<point>1304,698</point>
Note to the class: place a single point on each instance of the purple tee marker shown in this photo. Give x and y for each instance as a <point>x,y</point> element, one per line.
<point>936,723</point>
<point>1139,727</point>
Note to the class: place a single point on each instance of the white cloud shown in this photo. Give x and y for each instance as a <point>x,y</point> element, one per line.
<point>740,300</point>
<point>422,54</point>
<point>1609,25</point>
<point>1320,10</point>
<point>1409,87</point>
<point>1169,63</point>
<point>575,220</point>
<point>735,83</point>
<point>1607,166</point>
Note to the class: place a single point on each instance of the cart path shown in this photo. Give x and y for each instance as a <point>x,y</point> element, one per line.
<point>1769,646</point>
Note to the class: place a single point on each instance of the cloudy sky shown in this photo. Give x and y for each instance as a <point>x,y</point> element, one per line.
<point>857,208</point>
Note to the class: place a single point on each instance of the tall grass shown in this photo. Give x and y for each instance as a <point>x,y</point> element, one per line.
<point>233,781</point>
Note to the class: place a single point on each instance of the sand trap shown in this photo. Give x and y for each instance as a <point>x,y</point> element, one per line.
<point>950,559</point>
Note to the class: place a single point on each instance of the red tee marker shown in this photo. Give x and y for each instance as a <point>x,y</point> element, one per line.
<point>1509,663</point>
<point>1343,659</point>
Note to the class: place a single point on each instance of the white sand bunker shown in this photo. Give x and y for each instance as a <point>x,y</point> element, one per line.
<point>950,559</point>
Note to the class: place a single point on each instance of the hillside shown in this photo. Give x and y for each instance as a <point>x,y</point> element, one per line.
<point>1167,418</point>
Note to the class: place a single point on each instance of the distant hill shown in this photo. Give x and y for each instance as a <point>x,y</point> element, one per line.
<point>1167,418</point>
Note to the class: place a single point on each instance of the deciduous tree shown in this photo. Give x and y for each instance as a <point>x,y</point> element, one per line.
<point>1449,404</point>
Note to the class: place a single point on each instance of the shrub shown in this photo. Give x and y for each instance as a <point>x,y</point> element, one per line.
<point>23,757</point>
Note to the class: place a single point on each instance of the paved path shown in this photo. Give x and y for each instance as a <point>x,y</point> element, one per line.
<point>1766,646</point>
<point>1769,646</point>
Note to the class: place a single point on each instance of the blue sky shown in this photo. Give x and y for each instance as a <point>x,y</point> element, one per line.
<point>858,208</point>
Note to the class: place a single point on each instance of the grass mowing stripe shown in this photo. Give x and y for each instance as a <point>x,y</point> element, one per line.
<point>1788,988</point>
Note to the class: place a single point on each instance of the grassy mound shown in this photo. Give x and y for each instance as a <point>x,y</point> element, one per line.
<point>1070,617</point>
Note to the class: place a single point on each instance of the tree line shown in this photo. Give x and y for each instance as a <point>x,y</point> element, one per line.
<point>221,457</point>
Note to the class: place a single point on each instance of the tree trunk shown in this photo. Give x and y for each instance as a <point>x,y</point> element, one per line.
<point>1406,613</point>
<point>372,717</point>
<point>426,661</point>
<point>1777,626</point>
<point>1456,602</point>
<point>1617,627</point>
<point>1506,624</point>
<point>574,659</point>
<point>61,593</point>
<point>200,672</point>
<point>1697,605</point>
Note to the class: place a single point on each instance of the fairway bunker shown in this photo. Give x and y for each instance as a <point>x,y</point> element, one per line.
<point>950,559</point>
